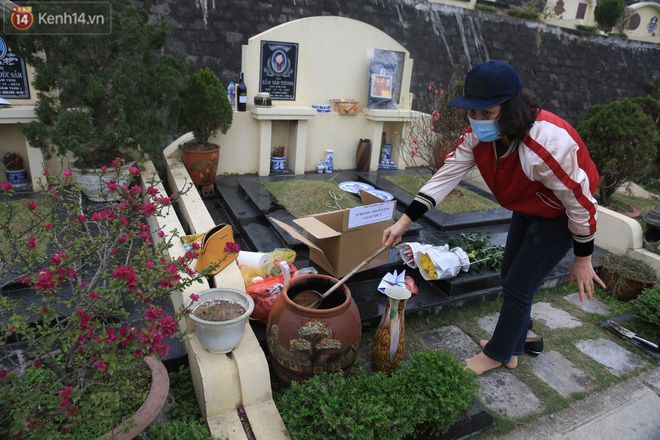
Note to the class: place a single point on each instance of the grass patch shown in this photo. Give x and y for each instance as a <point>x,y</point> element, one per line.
<point>306,197</point>
<point>459,200</point>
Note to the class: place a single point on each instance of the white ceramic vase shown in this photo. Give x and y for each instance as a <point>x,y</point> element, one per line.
<point>94,184</point>
<point>220,337</point>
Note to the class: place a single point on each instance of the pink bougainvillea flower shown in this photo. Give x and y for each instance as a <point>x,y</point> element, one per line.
<point>48,226</point>
<point>32,242</point>
<point>46,173</point>
<point>32,206</point>
<point>194,296</point>
<point>67,173</point>
<point>232,248</point>
<point>134,171</point>
<point>37,363</point>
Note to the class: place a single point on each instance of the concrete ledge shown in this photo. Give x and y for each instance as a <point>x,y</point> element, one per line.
<point>223,383</point>
<point>621,234</point>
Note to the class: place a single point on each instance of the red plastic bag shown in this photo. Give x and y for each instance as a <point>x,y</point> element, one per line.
<point>264,292</point>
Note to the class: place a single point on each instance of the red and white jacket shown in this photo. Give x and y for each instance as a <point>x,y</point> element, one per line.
<point>546,173</point>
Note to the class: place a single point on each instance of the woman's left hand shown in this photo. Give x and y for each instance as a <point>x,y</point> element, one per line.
<point>583,272</point>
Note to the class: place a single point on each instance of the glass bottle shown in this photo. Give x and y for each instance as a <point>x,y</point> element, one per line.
<point>241,95</point>
<point>390,340</point>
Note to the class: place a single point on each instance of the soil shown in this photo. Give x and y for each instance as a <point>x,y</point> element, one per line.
<point>219,310</point>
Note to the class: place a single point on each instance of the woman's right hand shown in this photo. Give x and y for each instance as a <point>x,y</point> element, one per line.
<point>392,235</point>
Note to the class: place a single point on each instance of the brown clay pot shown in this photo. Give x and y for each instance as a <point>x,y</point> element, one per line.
<point>153,404</point>
<point>622,288</point>
<point>303,342</point>
<point>201,165</point>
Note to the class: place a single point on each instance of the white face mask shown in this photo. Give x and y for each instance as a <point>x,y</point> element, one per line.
<point>486,131</point>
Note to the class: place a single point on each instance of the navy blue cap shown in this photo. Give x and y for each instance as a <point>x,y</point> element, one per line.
<point>487,85</point>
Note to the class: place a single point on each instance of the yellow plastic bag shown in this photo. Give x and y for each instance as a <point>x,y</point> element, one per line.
<point>289,255</point>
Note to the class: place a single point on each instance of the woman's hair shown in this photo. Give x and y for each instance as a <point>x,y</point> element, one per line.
<point>518,115</point>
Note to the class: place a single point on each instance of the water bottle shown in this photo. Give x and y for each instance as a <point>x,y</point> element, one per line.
<point>231,95</point>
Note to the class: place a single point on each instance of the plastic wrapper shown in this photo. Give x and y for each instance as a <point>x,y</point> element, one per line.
<point>385,72</point>
<point>284,254</point>
<point>264,292</point>
<point>434,262</point>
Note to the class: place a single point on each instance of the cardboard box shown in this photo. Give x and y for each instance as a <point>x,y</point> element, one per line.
<point>340,240</point>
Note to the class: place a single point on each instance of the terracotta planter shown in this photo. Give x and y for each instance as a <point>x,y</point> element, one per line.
<point>303,342</point>
<point>220,337</point>
<point>622,288</point>
<point>201,165</point>
<point>153,404</point>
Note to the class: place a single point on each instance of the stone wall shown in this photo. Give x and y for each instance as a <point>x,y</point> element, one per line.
<point>568,70</point>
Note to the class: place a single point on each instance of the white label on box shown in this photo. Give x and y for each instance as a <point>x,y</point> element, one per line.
<point>366,215</point>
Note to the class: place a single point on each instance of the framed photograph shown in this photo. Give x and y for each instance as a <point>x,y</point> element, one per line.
<point>381,86</point>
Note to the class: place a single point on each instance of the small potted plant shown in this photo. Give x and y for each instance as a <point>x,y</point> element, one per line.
<point>625,276</point>
<point>15,168</point>
<point>205,111</point>
<point>277,158</point>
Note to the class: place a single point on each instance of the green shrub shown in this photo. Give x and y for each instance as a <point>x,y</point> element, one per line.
<point>486,8</point>
<point>585,28</point>
<point>185,405</point>
<point>608,12</point>
<point>205,108</point>
<point>427,395</point>
<point>622,139</point>
<point>526,13</point>
<point>647,306</point>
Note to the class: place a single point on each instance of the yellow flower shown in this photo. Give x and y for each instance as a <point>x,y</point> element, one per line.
<point>428,266</point>
<point>471,255</point>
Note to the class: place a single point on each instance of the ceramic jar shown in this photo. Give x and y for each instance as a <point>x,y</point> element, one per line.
<point>302,341</point>
<point>17,178</point>
<point>94,183</point>
<point>277,163</point>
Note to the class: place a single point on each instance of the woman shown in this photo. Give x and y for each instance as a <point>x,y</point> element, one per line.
<point>536,165</point>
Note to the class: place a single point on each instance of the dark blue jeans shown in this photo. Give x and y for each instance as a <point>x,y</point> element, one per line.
<point>534,246</point>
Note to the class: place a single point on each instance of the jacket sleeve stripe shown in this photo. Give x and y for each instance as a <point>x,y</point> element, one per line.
<point>566,180</point>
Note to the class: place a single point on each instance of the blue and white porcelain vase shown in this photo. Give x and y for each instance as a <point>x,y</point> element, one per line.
<point>277,163</point>
<point>329,162</point>
<point>320,167</point>
<point>17,178</point>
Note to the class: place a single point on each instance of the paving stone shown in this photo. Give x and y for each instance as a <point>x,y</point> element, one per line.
<point>590,306</point>
<point>552,317</point>
<point>612,355</point>
<point>489,322</point>
<point>502,392</point>
<point>450,338</point>
<point>559,373</point>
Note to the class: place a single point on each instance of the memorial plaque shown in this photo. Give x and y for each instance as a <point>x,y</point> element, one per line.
<point>14,81</point>
<point>278,70</point>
